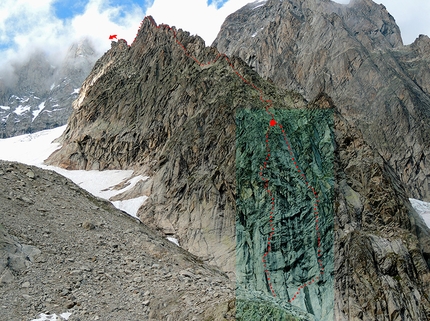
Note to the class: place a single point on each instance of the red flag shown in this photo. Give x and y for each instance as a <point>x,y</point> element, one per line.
<point>112,37</point>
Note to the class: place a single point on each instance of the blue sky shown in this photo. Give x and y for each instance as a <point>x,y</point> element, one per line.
<point>67,9</point>
<point>218,4</point>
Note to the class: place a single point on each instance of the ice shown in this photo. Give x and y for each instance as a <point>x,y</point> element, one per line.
<point>422,208</point>
<point>38,110</point>
<point>21,109</point>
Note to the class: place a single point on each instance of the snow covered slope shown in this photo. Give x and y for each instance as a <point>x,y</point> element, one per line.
<point>33,149</point>
<point>423,208</point>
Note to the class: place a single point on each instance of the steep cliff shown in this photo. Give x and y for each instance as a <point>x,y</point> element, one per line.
<point>39,95</point>
<point>174,109</point>
<point>153,108</point>
<point>355,54</point>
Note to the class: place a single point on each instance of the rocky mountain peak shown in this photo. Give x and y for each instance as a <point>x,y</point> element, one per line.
<point>40,93</point>
<point>175,110</point>
<point>81,48</point>
<point>355,54</point>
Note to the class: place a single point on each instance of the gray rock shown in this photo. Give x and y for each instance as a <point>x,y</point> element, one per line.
<point>67,278</point>
<point>25,285</point>
<point>88,225</point>
<point>6,277</point>
<point>355,54</point>
<point>30,174</point>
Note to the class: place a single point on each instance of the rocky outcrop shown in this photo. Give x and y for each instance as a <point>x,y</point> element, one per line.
<point>64,251</point>
<point>382,246</point>
<point>39,95</point>
<point>153,108</point>
<point>298,254</point>
<point>355,54</point>
<point>168,106</point>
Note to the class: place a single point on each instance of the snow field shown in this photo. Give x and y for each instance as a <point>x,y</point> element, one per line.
<point>33,149</point>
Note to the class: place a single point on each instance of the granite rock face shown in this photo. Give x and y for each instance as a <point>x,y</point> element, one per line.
<point>382,246</point>
<point>288,245</point>
<point>151,107</point>
<point>39,95</point>
<point>355,54</point>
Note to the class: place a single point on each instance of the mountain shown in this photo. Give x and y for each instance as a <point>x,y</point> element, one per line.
<point>355,54</point>
<point>347,244</point>
<point>39,95</point>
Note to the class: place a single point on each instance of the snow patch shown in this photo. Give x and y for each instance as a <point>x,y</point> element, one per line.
<point>53,317</point>
<point>38,110</point>
<point>4,119</point>
<point>173,240</point>
<point>422,208</point>
<point>259,4</point>
<point>130,206</point>
<point>75,91</point>
<point>52,86</point>
<point>21,109</point>
<point>33,149</point>
<point>4,107</point>
<point>255,33</point>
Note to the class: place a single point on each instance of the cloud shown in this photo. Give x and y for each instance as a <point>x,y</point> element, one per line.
<point>27,26</point>
<point>195,16</point>
<point>30,25</point>
<point>412,16</point>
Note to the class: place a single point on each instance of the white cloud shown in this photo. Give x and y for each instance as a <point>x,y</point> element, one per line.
<point>194,16</point>
<point>412,16</point>
<point>31,25</point>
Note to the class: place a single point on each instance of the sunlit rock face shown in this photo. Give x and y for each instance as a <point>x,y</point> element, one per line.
<point>284,230</point>
<point>355,54</point>
<point>152,108</point>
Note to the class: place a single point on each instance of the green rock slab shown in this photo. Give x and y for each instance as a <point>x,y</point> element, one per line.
<point>292,260</point>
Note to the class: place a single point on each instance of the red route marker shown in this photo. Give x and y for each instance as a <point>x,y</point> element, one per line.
<point>112,37</point>
<point>272,123</point>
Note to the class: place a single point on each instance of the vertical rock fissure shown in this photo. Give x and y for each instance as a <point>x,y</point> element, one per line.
<point>289,260</point>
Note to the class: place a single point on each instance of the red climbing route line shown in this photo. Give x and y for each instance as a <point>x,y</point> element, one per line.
<point>268,102</point>
<point>272,123</point>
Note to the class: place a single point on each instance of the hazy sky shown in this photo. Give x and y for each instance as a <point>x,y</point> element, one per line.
<point>53,24</point>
